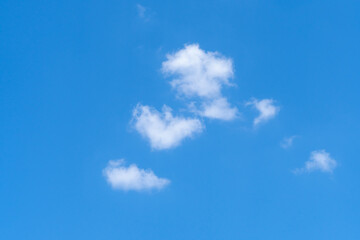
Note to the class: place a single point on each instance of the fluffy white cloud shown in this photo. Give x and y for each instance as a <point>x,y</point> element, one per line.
<point>287,142</point>
<point>162,129</point>
<point>131,177</point>
<point>201,75</point>
<point>319,160</point>
<point>266,108</point>
<point>218,108</point>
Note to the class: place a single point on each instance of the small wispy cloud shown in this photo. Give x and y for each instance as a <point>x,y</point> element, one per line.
<point>162,129</point>
<point>287,142</point>
<point>131,177</point>
<point>266,108</point>
<point>200,76</point>
<point>319,160</point>
<point>143,12</point>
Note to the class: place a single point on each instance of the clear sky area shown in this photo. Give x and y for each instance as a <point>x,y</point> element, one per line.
<point>179,120</point>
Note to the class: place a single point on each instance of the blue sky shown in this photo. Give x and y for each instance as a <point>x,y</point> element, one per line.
<point>88,150</point>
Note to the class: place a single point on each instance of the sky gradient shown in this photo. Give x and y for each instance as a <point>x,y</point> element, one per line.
<point>179,120</point>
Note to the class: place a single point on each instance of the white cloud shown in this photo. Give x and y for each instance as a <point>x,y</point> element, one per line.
<point>201,75</point>
<point>266,108</point>
<point>164,130</point>
<point>131,177</point>
<point>218,108</point>
<point>287,142</point>
<point>319,160</point>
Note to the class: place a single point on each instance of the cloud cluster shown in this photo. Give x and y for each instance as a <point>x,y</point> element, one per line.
<point>267,110</point>
<point>200,76</point>
<point>132,178</point>
<point>319,160</point>
<point>162,129</point>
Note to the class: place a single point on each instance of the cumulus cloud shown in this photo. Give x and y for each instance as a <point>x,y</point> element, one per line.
<point>266,108</point>
<point>162,129</point>
<point>201,75</point>
<point>126,178</point>
<point>287,142</point>
<point>319,160</point>
<point>218,108</point>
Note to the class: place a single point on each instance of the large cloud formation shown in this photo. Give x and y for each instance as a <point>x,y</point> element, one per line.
<point>200,76</point>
